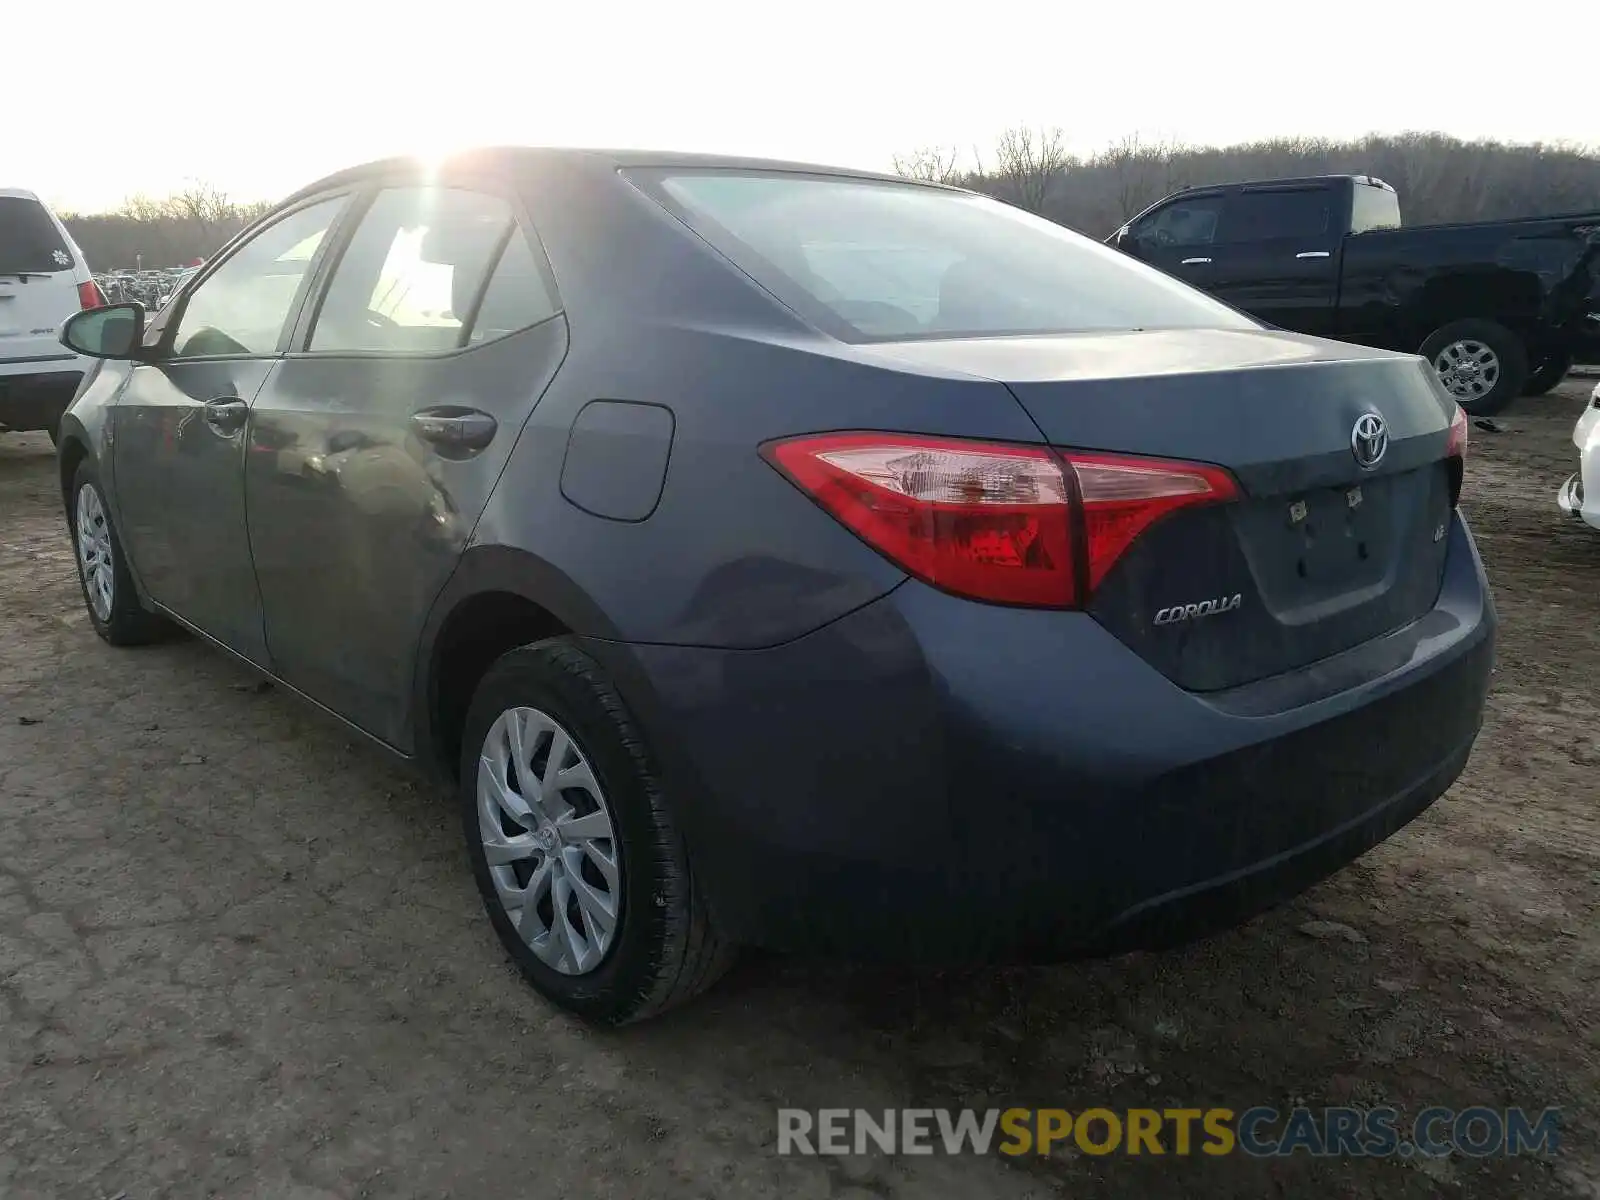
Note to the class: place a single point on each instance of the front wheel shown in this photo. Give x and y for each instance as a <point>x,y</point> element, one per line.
<point>583,873</point>
<point>1481,364</point>
<point>108,592</point>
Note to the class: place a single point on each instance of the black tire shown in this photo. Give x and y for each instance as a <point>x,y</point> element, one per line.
<point>1511,355</point>
<point>1547,374</point>
<point>666,948</point>
<point>128,623</point>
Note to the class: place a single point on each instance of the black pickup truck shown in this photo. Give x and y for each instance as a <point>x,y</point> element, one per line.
<point>1498,307</point>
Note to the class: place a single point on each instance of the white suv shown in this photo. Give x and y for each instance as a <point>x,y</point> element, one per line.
<point>43,281</point>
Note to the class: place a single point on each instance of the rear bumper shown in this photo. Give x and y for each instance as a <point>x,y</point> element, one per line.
<point>36,400</point>
<point>932,780</point>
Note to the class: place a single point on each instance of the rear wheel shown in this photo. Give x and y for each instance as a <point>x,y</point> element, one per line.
<point>1547,374</point>
<point>1482,364</point>
<point>583,873</point>
<point>108,592</point>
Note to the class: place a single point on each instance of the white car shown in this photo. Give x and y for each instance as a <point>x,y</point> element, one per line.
<point>1580,495</point>
<point>43,281</point>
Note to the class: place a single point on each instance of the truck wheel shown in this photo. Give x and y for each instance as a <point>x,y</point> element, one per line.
<point>1547,374</point>
<point>1482,364</point>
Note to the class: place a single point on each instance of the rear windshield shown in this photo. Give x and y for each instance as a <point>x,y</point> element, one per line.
<point>30,243</point>
<point>1373,208</point>
<point>878,261</point>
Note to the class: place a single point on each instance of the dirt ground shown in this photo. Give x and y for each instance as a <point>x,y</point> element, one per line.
<point>242,957</point>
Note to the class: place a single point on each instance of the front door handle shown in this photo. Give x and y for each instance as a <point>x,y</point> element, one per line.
<point>1312,254</point>
<point>457,429</point>
<point>226,414</point>
<point>1190,261</point>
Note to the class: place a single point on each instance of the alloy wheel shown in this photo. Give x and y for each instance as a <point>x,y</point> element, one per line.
<point>1468,369</point>
<point>95,552</point>
<point>548,839</point>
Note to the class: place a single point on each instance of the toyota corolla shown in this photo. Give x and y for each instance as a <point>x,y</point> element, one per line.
<point>777,555</point>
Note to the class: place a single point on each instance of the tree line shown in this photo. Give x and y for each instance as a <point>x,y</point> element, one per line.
<point>1439,178</point>
<point>167,232</point>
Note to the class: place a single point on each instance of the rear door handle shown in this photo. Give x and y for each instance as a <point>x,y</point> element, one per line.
<point>1189,261</point>
<point>226,414</point>
<point>1312,254</point>
<point>458,429</point>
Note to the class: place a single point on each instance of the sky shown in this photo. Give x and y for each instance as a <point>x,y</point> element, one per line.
<point>258,100</point>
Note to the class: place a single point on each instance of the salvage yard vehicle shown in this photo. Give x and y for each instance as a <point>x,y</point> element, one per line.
<point>770,554</point>
<point>43,281</point>
<point>1499,308</point>
<point>1579,496</point>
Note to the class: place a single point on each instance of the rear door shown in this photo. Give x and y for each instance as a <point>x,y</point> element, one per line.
<point>39,272</point>
<point>1277,255</point>
<point>1180,237</point>
<point>373,449</point>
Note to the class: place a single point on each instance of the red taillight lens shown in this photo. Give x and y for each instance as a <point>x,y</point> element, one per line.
<point>1456,447</point>
<point>1008,524</point>
<point>1456,454</point>
<point>89,295</point>
<point>1122,497</point>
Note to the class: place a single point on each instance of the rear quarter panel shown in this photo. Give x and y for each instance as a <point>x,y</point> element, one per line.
<point>733,555</point>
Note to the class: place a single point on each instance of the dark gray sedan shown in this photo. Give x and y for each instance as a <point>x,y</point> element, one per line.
<point>777,555</point>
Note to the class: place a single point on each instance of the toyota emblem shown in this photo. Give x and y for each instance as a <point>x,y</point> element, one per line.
<point>1369,440</point>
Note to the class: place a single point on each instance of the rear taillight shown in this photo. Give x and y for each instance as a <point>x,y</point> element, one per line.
<point>1007,524</point>
<point>89,295</point>
<point>1456,447</point>
<point>1455,451</point>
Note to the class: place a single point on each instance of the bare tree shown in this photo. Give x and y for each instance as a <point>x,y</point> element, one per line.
<point>934,164</point>
<point>1027,160</point>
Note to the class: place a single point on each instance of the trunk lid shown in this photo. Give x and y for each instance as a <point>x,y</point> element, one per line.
<point>39,274</point>
<point>1321,553</point>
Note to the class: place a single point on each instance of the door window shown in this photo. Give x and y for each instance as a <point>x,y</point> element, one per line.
<point>242,307</point>
<point>412,272</point>
<point>1264,216</point>
<point>1182,223</point>
<point>518,296</point>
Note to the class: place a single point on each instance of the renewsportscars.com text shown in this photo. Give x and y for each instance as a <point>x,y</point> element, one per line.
<point>1260,1132</point>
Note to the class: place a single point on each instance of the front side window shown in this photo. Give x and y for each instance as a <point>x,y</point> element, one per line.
<point>880,260</point>
<point>412,272</point>
<point>242,307</point>
<point>1181,223</point>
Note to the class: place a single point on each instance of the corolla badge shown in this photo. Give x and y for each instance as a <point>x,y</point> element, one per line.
<point>1369,440</point>
<point>1205,608</point>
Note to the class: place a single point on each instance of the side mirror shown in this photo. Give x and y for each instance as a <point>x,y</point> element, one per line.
<point>111,331</point>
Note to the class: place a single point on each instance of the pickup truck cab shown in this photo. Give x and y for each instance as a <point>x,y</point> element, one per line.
<point>1494,305</point>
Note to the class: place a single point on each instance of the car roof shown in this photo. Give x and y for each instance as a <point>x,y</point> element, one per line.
<point>525,157</point>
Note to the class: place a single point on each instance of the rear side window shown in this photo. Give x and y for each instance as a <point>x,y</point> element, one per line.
<point>1264,216</point>
<point>867,260</point>
<point>412,272</point>
<point>30,242</point>
<point>518,295</point>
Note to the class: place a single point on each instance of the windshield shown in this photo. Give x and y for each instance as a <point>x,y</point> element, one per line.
<point>871,261</point>
<point>30,243</point>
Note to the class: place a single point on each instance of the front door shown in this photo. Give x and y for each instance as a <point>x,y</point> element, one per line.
<point>375,444</point>
<point>178,429</point>
<point>1179,237</point>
